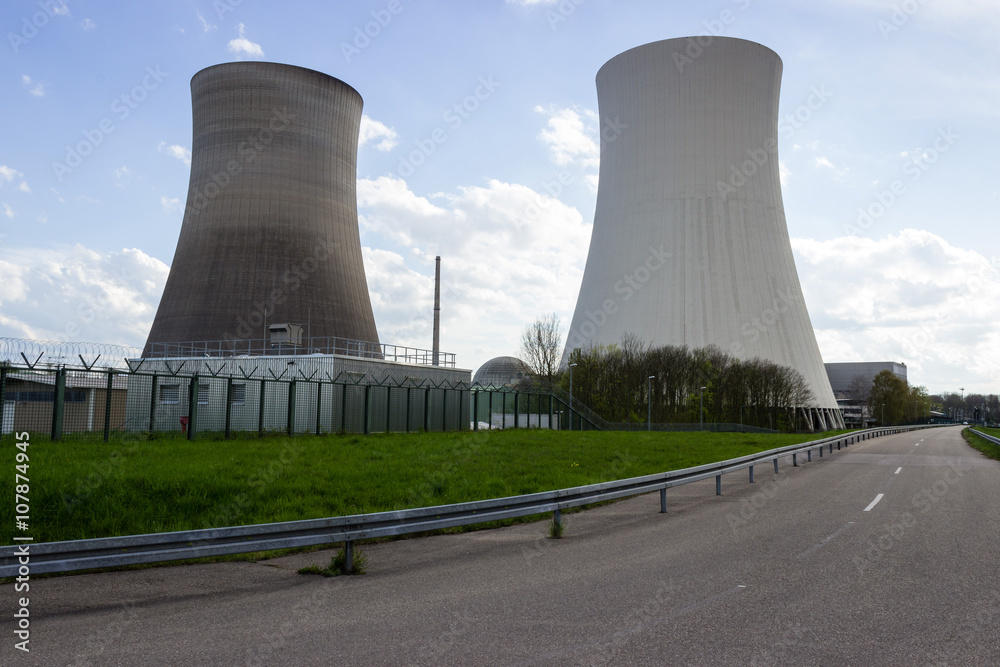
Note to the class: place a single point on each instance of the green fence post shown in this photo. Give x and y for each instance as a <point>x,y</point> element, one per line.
<point>475,410</point>
<point>388,411</point>
<point>368,394</point>
<point>192,406</point>
<point>444,409</point>
<point>409,406</point>
<point>152,404</point>
<point>343,408</point>
<point>319,406</point>
<point>260,408</point>
<point>107,406</point>
<point>290,417</point>
<point>58,403</point>
<point>229,403</point>
<point>3,395</point>
<point>427,409</point>
<point>517,400</point>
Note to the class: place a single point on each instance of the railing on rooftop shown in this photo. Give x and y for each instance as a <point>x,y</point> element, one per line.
<point>257,347</point>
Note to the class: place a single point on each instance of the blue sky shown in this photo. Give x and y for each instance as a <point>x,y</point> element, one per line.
<point>874,95</point>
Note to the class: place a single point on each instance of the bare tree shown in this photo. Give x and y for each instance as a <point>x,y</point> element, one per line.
<point>541,346</point>
<point>860,388</point>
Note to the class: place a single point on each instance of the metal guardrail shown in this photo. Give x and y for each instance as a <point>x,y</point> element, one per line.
<point>79,555</point>
<point>986,436</point>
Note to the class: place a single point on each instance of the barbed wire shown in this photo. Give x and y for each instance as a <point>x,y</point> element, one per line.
<point>62,353</point>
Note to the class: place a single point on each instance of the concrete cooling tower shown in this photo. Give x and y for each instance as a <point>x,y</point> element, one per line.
<point>690,245</point>
<point>270,230</point>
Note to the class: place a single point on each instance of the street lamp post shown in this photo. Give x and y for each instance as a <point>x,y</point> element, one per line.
<point>701,409</point>
<point>571,367</point>
<point>649,402</point>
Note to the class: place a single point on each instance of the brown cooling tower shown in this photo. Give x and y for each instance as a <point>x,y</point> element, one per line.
<point>270,230</point>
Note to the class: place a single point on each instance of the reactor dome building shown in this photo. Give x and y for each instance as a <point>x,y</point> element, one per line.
<point>690,244</point>
<point>269,246</point>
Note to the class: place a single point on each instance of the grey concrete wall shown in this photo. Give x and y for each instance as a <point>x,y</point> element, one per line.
<point>690,244</point>
<point>270,229</point>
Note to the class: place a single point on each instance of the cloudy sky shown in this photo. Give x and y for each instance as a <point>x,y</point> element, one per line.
<point>480,144</point>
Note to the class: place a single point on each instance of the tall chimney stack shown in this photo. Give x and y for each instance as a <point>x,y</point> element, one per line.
<point>437,309</point>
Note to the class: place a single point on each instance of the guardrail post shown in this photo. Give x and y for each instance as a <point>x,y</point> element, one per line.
<point>107,405</point>
<point>663,500</point>
<point>348,557</point>
<point>718,485</point>
<point>751,474</point>
<point>821,451</point>
<point>831,448</point>
<point>58,402</point>
<point>557,517</point>
<point>795,460</point>
<point>809,456</point>
<point>775,466</point>
<point>838,445</point>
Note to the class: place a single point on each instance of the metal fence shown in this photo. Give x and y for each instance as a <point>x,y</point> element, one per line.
<point>90,403</point>
<point>109,403</point>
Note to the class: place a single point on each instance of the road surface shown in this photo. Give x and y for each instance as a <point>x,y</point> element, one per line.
<point>884,553</point>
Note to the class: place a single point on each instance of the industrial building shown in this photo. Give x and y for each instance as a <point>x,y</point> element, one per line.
<point>690,245</point>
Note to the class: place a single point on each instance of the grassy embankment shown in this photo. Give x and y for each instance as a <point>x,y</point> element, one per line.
<point>983,445</point>
<point>85,489</point>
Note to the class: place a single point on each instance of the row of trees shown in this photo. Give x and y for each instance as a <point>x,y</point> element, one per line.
<point>686,385</point>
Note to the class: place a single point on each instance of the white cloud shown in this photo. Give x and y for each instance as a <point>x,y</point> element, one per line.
<point>571,136</point>
<point>122,175</point>
<point>9,175</point>
<point>79,294</point>
<point>911,297</point>
<point>783,172</point>
<point>87,24</point>
<point>8,211</point>
<point>241,46</point>
<point>509,254</point>
<point>36,88</point>
<point>177,151</point>
<point>372,129</point>
<point>205,25</point>
<point>170,204</point>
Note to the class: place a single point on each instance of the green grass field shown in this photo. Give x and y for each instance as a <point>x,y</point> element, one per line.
<point>983,445</point>
<point>86,489</point>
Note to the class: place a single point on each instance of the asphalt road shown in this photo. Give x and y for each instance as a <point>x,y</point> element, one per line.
<point>800,568</point>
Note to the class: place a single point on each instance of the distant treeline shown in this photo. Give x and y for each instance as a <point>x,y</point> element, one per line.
<point>613,381</point>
